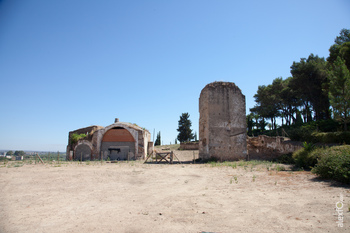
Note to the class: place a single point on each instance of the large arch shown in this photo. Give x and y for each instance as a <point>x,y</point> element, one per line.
<point>82,151</point>
<point>118,143</point>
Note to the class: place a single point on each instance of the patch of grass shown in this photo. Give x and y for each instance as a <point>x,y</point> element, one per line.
<point>252,165</point>
<point>29,161</point>
<point>15,164</point>
<point>235,179</point>
<point>254,177</point>
<point>214,164</point>
<point>241,163</point>
<point>268,167</point>
<point>280,168</point>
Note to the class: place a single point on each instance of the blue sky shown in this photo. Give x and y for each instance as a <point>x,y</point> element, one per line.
<point>65,65</point>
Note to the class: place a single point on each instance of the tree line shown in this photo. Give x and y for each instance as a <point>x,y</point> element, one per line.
<point>16,153</point>
<point>319,89</point>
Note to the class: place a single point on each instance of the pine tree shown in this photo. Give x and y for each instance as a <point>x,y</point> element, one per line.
<point>339,91</point>
<point>185,131</point>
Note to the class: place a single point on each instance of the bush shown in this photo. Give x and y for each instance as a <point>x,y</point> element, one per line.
<point>332,137</point>
<point>323,137</point>
<point>75,137</point>
<point>333,163</point>
<point>301,134</point>
<point>3,158</point>
<point>327,125</point>
<point>286,159</point>
<point>303,158</point>
<point>304,132</point>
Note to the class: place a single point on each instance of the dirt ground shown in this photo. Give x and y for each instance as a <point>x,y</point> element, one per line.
<point>137,197</point>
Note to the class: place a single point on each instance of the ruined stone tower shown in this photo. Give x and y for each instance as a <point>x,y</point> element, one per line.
<point>222,122</point>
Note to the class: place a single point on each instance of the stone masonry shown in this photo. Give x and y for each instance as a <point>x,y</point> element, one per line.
<point>269,148</point>
<point>118,141</point>
<point>222,122</point>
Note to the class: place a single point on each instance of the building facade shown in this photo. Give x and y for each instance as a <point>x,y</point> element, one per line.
<point>118,141</point>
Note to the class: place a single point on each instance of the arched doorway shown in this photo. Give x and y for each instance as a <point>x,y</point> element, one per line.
<point>82,152</point>
<point>117,143</point>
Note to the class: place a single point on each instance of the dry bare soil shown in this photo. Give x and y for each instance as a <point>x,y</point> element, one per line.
<point>137,197</point>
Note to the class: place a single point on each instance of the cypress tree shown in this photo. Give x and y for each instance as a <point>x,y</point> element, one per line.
<point>185,131</point>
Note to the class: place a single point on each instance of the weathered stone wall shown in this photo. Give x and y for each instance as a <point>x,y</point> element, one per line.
<point>189,146</point>
<point>222,123</point>
<point>89,131</point>
<point>83,150</point>
<point>145,144</point>
<point>150,148</point>
<point>144,138</point>
<point>267,148</point>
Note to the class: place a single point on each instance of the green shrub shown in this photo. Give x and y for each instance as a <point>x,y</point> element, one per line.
<point>308,146</point>
<point>304,132</point>
<point>331,137</point>
<point>333,163</point>
<point>323,137</point>
<point>327,125</point>
<point>343,137</point>
<point>286,159</point>
<point>75,137</point>
<point>301,134</point>
<point>303,158</point>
